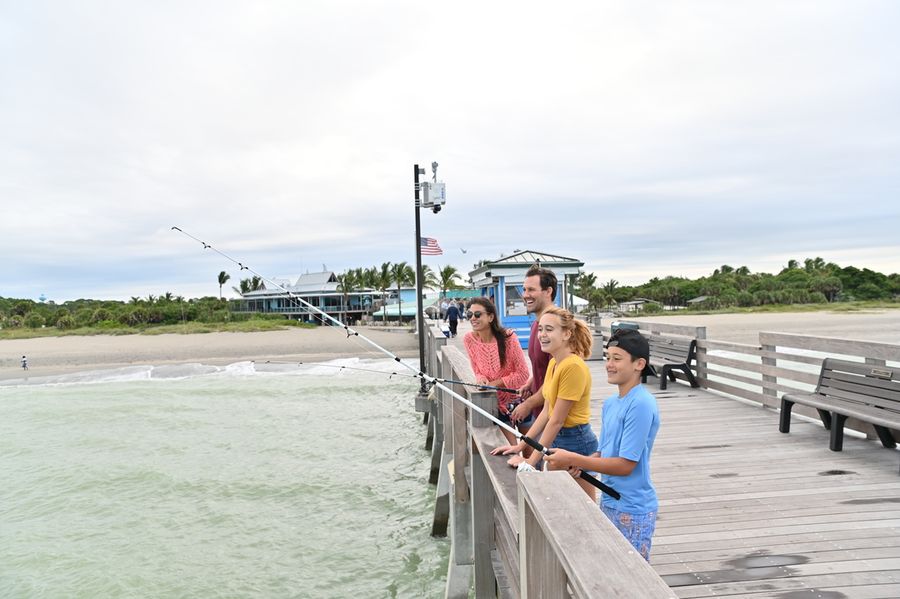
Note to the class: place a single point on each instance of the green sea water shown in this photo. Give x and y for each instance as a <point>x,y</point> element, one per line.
<point>193,481</point>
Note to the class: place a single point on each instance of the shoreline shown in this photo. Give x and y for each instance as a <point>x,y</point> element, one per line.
<point>53,356</point>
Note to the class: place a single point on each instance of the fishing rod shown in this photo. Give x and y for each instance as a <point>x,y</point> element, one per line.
<point>393,374</point>
<point>425,377</point>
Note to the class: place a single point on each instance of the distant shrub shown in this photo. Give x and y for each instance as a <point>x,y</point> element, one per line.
<point>100,315</point>
<point>33,320</point>
<point>65,322</point>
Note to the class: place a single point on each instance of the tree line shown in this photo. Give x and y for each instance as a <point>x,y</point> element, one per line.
<point>813,281</point>
<point>138,312</point>
<point>168,309</point>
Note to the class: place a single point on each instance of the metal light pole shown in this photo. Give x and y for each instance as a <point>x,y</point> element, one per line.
<point>420,322</point>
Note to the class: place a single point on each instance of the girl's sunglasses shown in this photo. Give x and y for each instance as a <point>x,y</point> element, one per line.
<point>476,314</point>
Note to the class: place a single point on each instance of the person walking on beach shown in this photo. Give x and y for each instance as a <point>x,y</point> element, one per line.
<point>630,423</point>
<point>564,421</point>
<point>24,363</point>
<point>497,359</point>
<point>452,317</point>
<point>539,293</point>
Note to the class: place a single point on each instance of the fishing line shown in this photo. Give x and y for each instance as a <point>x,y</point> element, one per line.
<point>393,374</point>
<point>419,374</point>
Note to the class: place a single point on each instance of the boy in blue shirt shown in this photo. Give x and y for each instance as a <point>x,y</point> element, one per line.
<point>630,424</point>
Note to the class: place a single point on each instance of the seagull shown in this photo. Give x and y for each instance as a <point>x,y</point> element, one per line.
<point>462,250</point>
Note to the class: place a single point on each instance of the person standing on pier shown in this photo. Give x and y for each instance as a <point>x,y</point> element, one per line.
<point>564,421</point>
<point>630,423</point>
<point>452,316</point>
<point>496,358</point>
<point>539,293</point>
<point>24,363</point>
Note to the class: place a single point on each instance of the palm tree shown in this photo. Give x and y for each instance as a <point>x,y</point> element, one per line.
<point>223,278</point>
<point>429,279</point>
<point>447,277</point>
<point>383,282</point>
<point>403,274</point>
<point>347,284</point>
<point>254,283</point>
<point>610,287</point>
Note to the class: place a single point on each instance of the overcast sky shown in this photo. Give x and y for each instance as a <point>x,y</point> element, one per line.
<point>644,138</point>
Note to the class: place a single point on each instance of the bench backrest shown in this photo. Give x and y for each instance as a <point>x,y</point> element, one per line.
<point>861,383</point>
<point>671,349</point>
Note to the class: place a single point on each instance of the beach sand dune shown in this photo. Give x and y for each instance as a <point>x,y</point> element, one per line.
<point>49,356</point>
<point>876,325</point>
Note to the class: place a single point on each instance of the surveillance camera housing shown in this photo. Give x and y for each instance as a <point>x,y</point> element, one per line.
<point>433,195</point>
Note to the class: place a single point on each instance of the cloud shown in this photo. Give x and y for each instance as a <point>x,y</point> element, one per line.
<point>647,137</point>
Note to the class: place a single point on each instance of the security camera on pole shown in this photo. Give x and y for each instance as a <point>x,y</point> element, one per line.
<point>433,195</point>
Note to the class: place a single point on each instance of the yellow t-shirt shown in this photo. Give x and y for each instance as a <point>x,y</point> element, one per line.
<point>569,380</point>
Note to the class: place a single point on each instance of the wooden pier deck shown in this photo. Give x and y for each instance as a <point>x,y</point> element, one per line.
<point>745,511</point>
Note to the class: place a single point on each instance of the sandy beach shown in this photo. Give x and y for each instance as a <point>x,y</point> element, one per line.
<point>875,325</point>
<point>50,356</point>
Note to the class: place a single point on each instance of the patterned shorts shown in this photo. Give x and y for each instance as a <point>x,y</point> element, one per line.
<point>637,528</point>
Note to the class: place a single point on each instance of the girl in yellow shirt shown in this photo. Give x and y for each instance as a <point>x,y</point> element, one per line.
<point>564,420</point>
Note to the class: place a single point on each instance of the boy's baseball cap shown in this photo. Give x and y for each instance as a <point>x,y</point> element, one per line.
<point>635,344</point>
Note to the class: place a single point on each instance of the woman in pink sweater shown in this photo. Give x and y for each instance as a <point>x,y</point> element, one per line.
<point>497,358</point>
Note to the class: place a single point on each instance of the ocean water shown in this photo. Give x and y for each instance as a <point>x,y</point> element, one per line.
<point>245,481</point>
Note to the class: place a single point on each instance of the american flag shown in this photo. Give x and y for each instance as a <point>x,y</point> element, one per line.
<point>430,247</point>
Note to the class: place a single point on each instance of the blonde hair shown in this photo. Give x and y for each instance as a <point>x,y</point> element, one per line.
<point>581,340</point>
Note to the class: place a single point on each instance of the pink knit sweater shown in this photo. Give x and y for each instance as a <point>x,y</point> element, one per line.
<point>485,361</point>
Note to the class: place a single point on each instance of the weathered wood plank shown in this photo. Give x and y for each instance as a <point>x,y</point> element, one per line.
<point>833,345</point>
<point>482,526</point>
<point>580,538</point>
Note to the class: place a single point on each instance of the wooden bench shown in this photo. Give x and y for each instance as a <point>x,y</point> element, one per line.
<point>851,390</point>
<point>668,354</point>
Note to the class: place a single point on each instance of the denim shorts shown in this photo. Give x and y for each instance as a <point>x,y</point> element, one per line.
<point>637,528</point>
<point>578,439</point>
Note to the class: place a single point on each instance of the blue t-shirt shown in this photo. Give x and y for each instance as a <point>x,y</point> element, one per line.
<point>630,425</point>
<point>452,313</point>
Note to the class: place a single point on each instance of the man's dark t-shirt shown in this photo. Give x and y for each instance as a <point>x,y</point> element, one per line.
<point>539,359</point>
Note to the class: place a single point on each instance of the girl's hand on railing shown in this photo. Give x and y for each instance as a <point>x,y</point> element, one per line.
<point>516,461</point>
<point>508,449</point>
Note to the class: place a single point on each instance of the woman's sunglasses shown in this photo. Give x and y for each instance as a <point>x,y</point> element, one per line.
<point>470,314</point>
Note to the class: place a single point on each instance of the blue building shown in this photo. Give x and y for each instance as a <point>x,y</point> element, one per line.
<point>322,290</point>
<point>502,280</point>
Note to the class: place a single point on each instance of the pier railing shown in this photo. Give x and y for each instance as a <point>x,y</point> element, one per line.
<point>530,535</point>
<point>780,363</point>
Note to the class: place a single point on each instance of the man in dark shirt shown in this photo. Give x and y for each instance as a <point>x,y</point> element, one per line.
<point>539,294</point>
<point>453,318</point>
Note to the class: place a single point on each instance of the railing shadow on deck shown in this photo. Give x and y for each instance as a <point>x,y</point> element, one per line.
<point>499,520</point>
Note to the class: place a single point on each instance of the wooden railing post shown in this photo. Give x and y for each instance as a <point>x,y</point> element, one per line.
<point>482,500</point>
<point>444,452</point>
<point>456,442</point>
<point>540,573</point>
<point>565,542</point>
<point>436,341</point>
<point>700,336</point>
<point>769,381</point>
<point>482,527</point>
